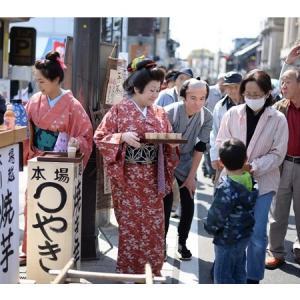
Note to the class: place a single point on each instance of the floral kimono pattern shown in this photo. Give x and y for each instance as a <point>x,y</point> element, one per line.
<point>138,204</point>
<point>67,115</point>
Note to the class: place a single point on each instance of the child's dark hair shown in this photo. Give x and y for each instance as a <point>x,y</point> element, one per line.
<point>146,71</point>
<point>233,154</point>
<point>50,67</point>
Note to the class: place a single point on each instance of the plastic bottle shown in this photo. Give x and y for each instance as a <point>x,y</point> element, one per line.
<point>9,117</point>
<point>21,114</point>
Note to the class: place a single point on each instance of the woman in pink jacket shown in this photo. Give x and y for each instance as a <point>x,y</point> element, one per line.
<point>264,131</point>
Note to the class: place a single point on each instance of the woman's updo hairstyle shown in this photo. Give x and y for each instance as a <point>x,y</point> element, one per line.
<point>52,66</point>
<point>142,71</point>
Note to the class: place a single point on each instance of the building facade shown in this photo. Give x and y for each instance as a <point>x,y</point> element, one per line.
<point>151,37</point>
<point>291,36</point>
<point>271,43</point>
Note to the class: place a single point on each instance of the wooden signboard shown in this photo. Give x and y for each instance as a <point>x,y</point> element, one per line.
<point>116,74</point>
<point>9,214</point>
<point>115,92</point>
<point>54,216</point>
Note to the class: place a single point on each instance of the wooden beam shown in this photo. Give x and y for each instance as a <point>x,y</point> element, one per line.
<point>62,275</point>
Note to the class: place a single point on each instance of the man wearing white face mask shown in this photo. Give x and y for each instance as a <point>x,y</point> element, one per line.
<point>264,130</point>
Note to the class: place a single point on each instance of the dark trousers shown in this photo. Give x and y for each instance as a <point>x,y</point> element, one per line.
<point>206,166</point>
<point>186,216</point>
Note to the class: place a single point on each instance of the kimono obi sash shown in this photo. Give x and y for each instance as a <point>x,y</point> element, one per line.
<point>147,154</point>
<point>44,139</point>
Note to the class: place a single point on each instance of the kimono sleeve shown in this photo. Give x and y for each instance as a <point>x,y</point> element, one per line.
<point>81,128</point>
<point>108,141</point>
<point>107,136</point>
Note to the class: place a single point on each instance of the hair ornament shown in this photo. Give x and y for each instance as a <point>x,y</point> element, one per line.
<point>140,63</point>
<point>135,61</point>
<point>63,66</point>
<point>133,65</point>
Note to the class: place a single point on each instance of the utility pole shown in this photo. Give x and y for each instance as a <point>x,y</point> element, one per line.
<point>219,54</point>
<point>85,85</point>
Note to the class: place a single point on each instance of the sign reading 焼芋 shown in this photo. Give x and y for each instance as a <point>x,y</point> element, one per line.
<point>115,92</point>
<point>9,214</point>
<point>54,217</point>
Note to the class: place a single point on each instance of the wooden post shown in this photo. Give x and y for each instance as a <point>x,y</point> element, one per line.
<point>148,272</point>
<point>54,214</point>
<point>137,278</point>
<point>62,276</point>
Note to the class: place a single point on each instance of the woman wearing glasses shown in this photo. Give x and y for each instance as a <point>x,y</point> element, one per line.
<point>264,131</point>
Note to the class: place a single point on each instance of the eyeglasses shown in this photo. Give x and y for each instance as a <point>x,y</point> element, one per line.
<point>255,97</point>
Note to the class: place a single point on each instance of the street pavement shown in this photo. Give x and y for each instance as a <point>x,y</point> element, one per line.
<point>196,271</point>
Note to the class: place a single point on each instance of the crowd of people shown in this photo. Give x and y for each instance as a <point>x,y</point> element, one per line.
<point>248,141</point>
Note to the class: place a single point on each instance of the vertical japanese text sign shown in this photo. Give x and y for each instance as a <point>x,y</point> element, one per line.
<point>115,92</point>
<point>9,214</point>
<point>54,217</point>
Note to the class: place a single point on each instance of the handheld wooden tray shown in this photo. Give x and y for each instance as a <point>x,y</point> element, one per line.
<point>59,157</point>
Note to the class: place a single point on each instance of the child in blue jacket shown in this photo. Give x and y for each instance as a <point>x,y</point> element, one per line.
<point>231,216</point>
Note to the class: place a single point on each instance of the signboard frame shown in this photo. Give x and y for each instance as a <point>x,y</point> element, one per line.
<point>22,46</point>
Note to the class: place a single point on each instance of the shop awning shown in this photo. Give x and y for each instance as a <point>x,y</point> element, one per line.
<point>247,49</point>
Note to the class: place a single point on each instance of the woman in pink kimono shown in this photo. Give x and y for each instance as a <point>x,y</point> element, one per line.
<point>141,174</point>
<point>57,120</point>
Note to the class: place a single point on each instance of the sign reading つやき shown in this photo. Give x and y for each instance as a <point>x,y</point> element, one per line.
<point>54,217</point>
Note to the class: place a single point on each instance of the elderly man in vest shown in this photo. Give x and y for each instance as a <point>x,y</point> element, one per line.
<point>289,185</point>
